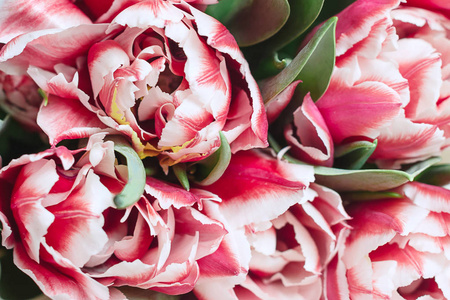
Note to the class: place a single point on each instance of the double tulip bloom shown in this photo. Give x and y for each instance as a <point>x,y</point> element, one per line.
<point>390,84</point>
<point>170,83</point>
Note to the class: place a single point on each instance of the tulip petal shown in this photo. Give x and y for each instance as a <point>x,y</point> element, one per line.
<point>21,16</point>
<point>263,188</point>
<point>376,223</point>
<point>433,198</point>
<point>67,119</point>
<point>104,58</point>
<point>312,142</point>
<point>149,13</point>
<point>357,20</point>
<point>32,219</point>
<point>57,277</point>
<point>47,48</point>
<point>407,142</point>
<point>76,232</point>
<point>420,64</point>
<point>375,103</point>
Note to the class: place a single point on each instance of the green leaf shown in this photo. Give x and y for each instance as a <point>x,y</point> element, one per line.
<point>369,180</point>
<point>180,173</point>
<point>354,155</point>
<point>436,175</point>
<point>302,15</point>
<point>226,9</point>
<point>270,66</point>
<point>134,188</point>
<point>252,21</point>
<point>368,196</point>
<point>313,65</point>
<point>211,169</point>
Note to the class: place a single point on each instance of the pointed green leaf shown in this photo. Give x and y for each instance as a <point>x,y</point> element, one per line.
<point>354,155</point>
<point>436,175</point>
<point>254,21</point>
<point>134,188</point>
<point>180,173</point>
<point>302,15</point>
<point>369,180</point>
<point>211,169</point>
<point>313,65</point>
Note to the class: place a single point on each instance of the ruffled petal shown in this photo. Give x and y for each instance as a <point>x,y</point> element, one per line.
<point>263,188</point>
<point>22,16</point>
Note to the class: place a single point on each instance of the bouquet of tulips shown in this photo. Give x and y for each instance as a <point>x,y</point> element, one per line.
<point>232,149</point>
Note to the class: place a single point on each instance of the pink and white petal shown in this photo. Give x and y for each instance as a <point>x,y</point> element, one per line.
<point>360,278</point>
<point>231,260</point>
<point>237,129</point>
<point>420,64</point>
<point>312,141</point>
<point>162,226</point>
<point>279,290</point>
<point>32,219</point>
<point>391,76</point>
<point>268,265</point>
<point>375,104</point>
<point>433,198</point>
<point>45,49</point>
<point>77,232</point>
<point>133,247</point>
<point>180,272</point>
<point>276,106</point>
<point>384,286</point>
<point>57,277</point>
<point>114,8</point>
<point>329,203</point>
<point>407,142</point>
<point>221,39</point>
<point>381,38</point>
<point>219,289</point>
<point>22,16</point>
<point>156,13</point>
<point>303,238</point>
<point>207,74</point>
<point>67,119</point>
<point>59,85</point>
<point>411,264</point>
<point>8,240</point>
<point>442,280</point>
<point>376,223</point>
<point>436,224</point>
<point>189,118</point>
<point>169,194</point>
<point>104,58</point>
<point>335,281</point>
<point>357,20</point>
<point>264,241</point>
<point>189,221</point>
<point>426,243</point>
<point>260,191</point>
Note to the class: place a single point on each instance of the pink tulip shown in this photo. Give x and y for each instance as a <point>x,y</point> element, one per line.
<point>19,97</point>
<point>397,248</point>
<point>287,229</point>
<point>391,89</point>
<point>162,73</point>
<point>57,213</point>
